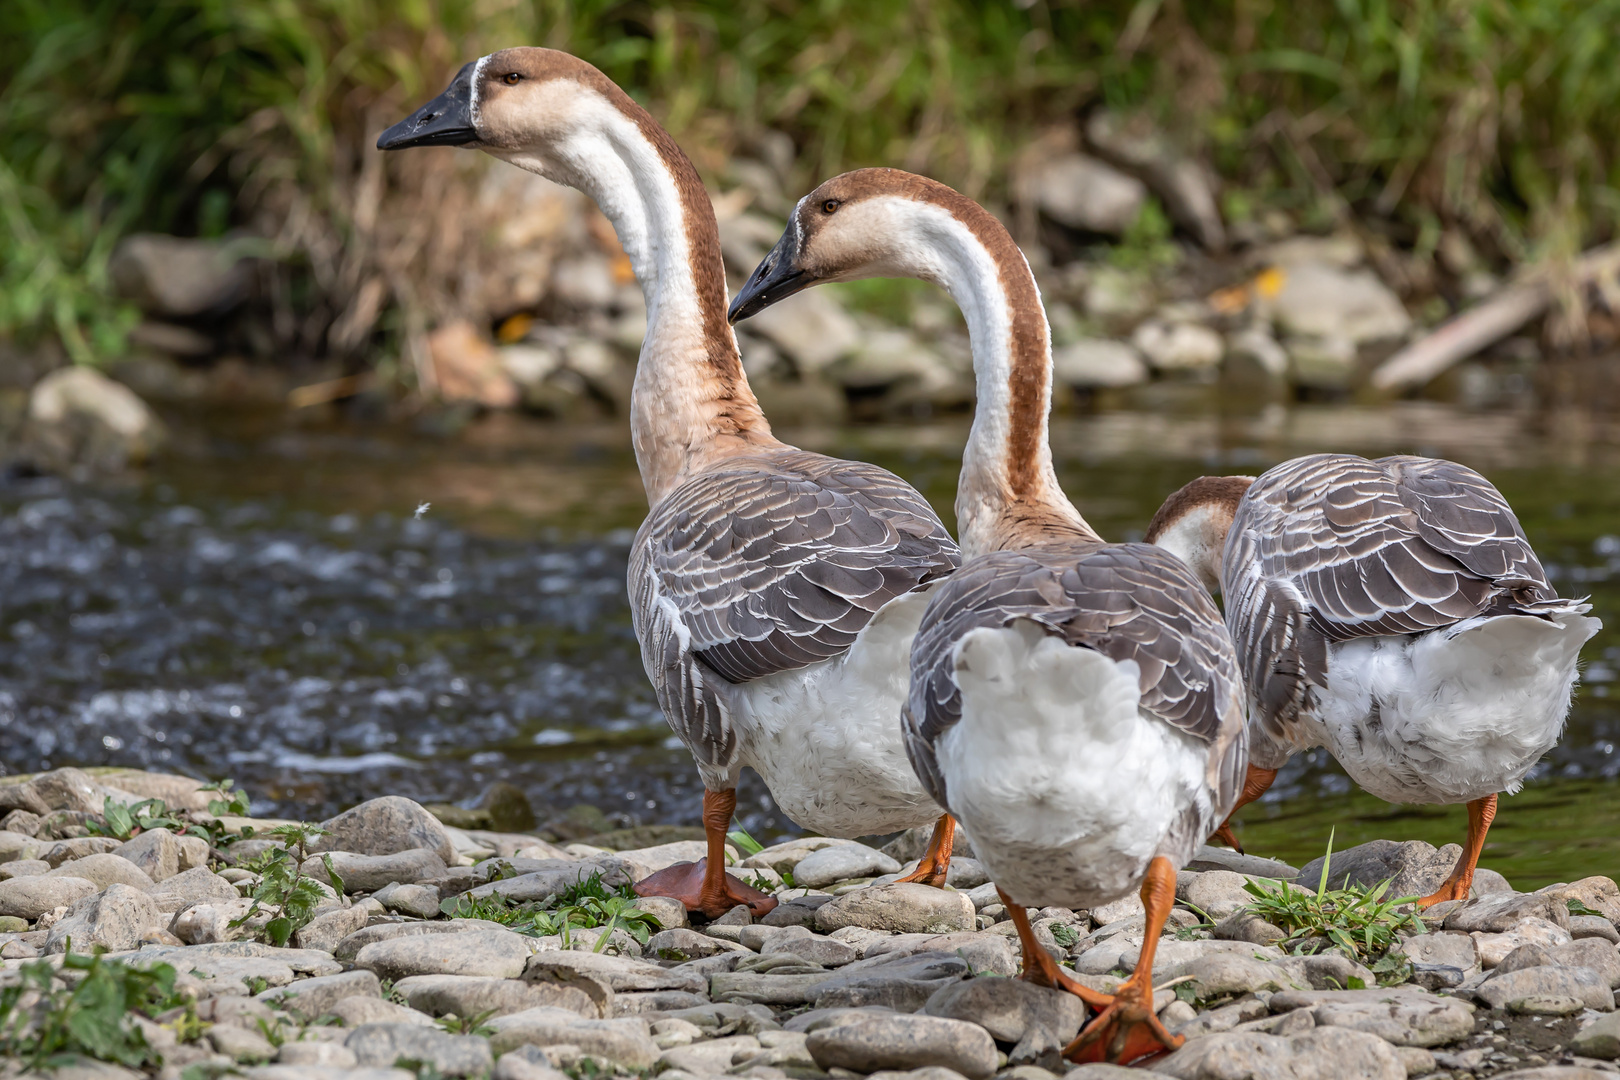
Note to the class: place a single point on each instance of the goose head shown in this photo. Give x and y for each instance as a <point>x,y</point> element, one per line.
<point>1193,524</point>
<point>530,106</point>
<point>861,224</point>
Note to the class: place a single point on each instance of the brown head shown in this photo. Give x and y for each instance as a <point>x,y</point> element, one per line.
<point>1194,521</point>
<point>556,115</point>
<point>890,223</point>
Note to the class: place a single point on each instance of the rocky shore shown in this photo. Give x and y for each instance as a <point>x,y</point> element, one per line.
<point>385,943</point>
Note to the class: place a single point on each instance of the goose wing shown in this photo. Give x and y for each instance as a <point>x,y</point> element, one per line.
<point>1332,547</point>
<point>1131,602</point>
<point>768,564</point>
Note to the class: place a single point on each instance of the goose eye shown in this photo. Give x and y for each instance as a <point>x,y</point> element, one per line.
<point>511,78</point>
<point>829,206</point>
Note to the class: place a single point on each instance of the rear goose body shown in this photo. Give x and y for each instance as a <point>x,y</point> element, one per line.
<point>774,592</point>
<point>1393,612</point>
<point>1076,705</point>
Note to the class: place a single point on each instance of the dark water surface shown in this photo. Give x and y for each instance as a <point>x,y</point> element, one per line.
<point>266,605</point>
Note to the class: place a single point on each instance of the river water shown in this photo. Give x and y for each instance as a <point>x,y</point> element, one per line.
<point>267,604</point>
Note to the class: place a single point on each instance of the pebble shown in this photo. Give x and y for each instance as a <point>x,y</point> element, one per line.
<point>683,944</point>
<point>104,868</point>
<point>1582,984</point>
<point>627,1041</point>
<point>903,983</point>
<point>1038,1022</point>
<point>891,1041</point>
<point>317,997</point>
<point>1442,960</point>
<point>368,873</point>
<point>420,901</point>
<point>187,887</point>
<point>386,826</point>
<point>1599,1039</point>
<point>470,995</point>
<point>1320,1052</point>
<point>361,1009</point>
<point>326,930</point>
<point>1593,926</point>
<point>1217,893</point>
<point>116,919</point>
<point>496,953</point>
<point>317,1054</point>
<point>452,1055</point>
<point>840,863</point>
<point>1400,1016</point>
<point>1503,912</point>
<point>1494,948</point>
<point>904,908</point>
<point>242,1045</point>
<point>30,897</point>
<point>155,851</point>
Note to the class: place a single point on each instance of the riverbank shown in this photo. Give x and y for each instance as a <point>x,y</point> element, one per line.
<point>385,943</point>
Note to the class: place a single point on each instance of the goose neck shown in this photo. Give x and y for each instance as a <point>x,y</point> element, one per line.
<point>691,403</point>
<point>1008,495</point>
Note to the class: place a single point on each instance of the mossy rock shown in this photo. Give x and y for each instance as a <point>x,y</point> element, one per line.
<point>507,808</point>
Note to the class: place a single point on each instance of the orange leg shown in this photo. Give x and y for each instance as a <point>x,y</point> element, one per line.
<point>1127,1030</point>
<point>1255,784</point>
<point>704,886</point>
<point>1481,812</point>
<point>936,861</point>
<point>1040,968</point>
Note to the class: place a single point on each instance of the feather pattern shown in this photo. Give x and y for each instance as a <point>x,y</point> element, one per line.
<point>1129,602</point>
<point>1331,548</point>
<point>768,563</point>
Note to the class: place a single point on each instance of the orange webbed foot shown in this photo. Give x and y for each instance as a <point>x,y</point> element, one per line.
<point>935,864</point>
<point>1226,836</point>
<point>711,896</point>
<point>1124,1032</point>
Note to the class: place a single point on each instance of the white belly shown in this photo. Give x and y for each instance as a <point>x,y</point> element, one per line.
<point>826,739</point>
<point>1066,788</point>
<point>1454,714</point>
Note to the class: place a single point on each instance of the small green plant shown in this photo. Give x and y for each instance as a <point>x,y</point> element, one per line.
<point>95,1017</point>
<point>231,800</point>
<point>284,887</point>
<point>560,914</point>
<point>1392,969</point>
<point>1064,934</point>
<point>1360,920</point>
<point>122,821</point>
<point>744,842</point>
<point>467,1025</point>
<point>1578,908</point>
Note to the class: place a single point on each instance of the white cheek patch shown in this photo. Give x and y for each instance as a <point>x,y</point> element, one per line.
<point>477,82</point>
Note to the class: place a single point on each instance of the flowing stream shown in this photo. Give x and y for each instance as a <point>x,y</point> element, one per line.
<point>267,604</point>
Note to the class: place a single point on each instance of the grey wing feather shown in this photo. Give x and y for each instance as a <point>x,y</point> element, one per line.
<point>1332,547</point>
<point>769,564</point>
<point>1127,601</point>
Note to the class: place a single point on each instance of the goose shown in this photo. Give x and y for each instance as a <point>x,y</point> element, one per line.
<point>774,592</point>
<point>1392,611</point>
<point>1075,705</point>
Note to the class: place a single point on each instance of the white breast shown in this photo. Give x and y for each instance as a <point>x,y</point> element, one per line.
<point>1065,786</point>
<point>1454,714</point>
<point>826,739</point>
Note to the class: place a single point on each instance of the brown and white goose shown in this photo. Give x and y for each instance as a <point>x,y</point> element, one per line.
<point>1076,705</point>
<point>775,592</point>
<point>1392,611</point>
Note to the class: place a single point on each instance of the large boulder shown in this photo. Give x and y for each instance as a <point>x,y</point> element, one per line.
<point>386,826</point>
<point>77,416</point>
<point>1084,193</point>
<point>178,278</point>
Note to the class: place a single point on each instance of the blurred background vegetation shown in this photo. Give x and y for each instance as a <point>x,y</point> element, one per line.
<point>197,117</point>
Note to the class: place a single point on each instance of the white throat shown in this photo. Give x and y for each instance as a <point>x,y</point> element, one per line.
<point>605,153</point>
<point>935,245</point>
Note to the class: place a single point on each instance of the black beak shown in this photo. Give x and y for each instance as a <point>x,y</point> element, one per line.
<point>777,277</point>
<point>444,121</point>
